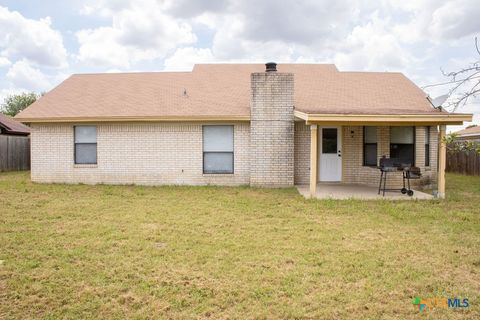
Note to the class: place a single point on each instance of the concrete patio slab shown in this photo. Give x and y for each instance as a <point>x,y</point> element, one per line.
<point>360,192</point>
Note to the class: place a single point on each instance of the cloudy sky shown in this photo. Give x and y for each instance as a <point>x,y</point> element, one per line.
<point>43,42</point>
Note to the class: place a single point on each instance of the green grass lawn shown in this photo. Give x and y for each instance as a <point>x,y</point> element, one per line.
<point>78,251</point>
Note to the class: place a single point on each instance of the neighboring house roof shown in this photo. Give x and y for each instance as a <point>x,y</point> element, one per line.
<point>469,132</point>
<point>10,126</point>
<point>223,91</point>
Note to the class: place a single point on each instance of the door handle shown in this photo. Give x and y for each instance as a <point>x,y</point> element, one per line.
<point>339,153</point>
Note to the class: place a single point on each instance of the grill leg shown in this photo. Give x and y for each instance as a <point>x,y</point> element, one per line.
<point>380,184</point>
<point>384,183</point>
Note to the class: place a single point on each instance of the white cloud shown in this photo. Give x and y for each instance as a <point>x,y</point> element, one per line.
<point>417,37</point>
<point>23,75</point>
<point>4,62</point>
<point>456,19</point>
<point>104,8</point>
<point>189,9</point>
<point>278,30</point>
<point>229,44</point>
<point>291,31</point>
<point>373,47</point>
<point>184,58</point>
<point>5,93</point>
<point>100,47</point>
<point>295,22</point>
<point>35,40</point>
<point>139,32</point>
<point>436,22</point>
<point>356,35</point>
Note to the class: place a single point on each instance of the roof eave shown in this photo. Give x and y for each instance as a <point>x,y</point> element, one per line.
<point>133,119</point>
<point>443,118</point>
<point>469,135</point>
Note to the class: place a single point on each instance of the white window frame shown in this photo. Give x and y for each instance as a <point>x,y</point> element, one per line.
<point>232,151</point>
<point>75,143</point>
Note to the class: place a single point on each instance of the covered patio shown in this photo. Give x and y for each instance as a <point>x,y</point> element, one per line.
<point>341,173</point>
<point>341,191</point>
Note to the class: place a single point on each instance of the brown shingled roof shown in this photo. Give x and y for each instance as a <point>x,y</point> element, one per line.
<point>469,131</point>
<point>12,126</point>
<point>223,90</point>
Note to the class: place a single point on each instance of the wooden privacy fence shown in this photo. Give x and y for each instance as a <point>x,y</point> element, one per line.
<point>14,153</point>
<point>464,162</point>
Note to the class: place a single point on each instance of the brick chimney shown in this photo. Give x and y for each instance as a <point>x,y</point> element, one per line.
<point>272,128</point>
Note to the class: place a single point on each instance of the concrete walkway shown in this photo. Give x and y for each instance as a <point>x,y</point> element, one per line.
<point>355,191</point>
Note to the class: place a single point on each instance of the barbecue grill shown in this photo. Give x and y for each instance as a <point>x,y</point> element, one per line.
<point>395,165</point>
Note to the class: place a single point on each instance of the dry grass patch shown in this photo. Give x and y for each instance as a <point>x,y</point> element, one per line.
<point>77,251</point>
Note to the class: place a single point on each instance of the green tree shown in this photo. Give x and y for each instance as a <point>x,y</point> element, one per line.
<point>453,144</point>
<point>13,104</point>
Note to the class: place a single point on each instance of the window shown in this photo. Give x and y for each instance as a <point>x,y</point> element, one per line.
<point>369,146</point>
<point>402,144</point>
<point>329,140</point>
<point>427,146</point>
<point>85,144</point>
<point>217,149</point>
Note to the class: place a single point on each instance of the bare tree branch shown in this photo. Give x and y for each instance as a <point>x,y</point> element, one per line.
<point>467,86</point>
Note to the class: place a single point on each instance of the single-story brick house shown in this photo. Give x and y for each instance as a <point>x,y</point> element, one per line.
<point>14,144</point>
<point>9,126</point>
<point>235,124</point>
<point>471,134</point>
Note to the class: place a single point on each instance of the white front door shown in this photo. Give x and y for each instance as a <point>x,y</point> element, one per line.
<point>330,154</point>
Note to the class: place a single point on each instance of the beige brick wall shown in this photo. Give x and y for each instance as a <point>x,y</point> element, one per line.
<point>302,153</point>
<point>145,154</point>
<point>355,172</point>
<point>167,153</point>
<point>352,155</point>
<point>272,129</point>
